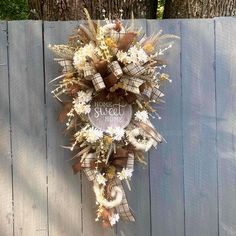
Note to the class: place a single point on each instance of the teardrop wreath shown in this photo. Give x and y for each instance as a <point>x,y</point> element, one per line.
<point>111,79</point>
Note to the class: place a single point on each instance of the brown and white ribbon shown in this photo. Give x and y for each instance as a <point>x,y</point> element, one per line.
<point>66,64</point>
<point>89,71</point>
<point>98,82</point>
<point>114,67</point>
<point>131,84</point>
<point>156,93</point>
<point>133,70</point>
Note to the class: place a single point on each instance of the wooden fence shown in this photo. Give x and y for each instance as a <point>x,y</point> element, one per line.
<point>189,188</point>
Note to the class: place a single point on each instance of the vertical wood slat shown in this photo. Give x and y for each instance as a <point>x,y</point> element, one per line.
<point>6,222</point>
<point>28,134</point>
<point>139,197</point>
<point>166,163</point>
<point>64,193</point>
<point>226,123</point>
<point>199,127</point>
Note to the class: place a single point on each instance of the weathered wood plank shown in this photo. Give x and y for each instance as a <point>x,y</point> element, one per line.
<point>166,163</point>
<point>64,192</point>
<point>199,127</point>
<point>6,222</point>
<point>28,133</point>
<point>139,197</point>
<point>226,123</point>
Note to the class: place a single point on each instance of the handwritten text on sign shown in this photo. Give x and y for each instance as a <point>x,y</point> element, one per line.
<point>106,114</point>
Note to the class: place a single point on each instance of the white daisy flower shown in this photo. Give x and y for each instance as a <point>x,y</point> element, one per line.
<point>114,218</point>
<point>101,179</point>
<point>141,116</point>
<point>121,56</point>
<point>84,96</point>
<point>142,55</point>
<point>81,54</point>
<point>92,134</point>
<point>116,133</point>
<point>133,53</point>
<point>125,174</point>
<point>81,108</point>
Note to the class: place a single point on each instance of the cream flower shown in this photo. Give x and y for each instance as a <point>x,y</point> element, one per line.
<point>122,56</point>
<point>141,116</point>
<point>114,218</point>
<point>101,179</point>
<point>134,55</point>
<point>125,174</point>
<point>80,105</point>
<point>143,57</point>
<point>81,108</point>
<point>116,133</point>
<point>81,54</point>
<point>92,134</point>
<point>84,97</point>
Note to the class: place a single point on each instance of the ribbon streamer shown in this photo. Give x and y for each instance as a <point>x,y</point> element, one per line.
<point>131,84</point>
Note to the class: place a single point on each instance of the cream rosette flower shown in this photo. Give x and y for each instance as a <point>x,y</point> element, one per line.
<point>141,140</point>
<point>81,55</point>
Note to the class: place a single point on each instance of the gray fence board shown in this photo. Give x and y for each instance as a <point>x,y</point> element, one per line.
<point>166,163</point>
<point>6,222</point>
<point>226,122</point>
<point>64,193</point>
<point>28,134</point>
<point>199,127</point>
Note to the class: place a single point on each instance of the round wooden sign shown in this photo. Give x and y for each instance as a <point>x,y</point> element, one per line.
<point>108,113</point>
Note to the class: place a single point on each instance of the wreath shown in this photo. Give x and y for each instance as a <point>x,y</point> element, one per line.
<point>111,79</point>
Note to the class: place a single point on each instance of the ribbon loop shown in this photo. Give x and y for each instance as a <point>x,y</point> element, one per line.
<point>133,69</point>
<point>115,68</point>
<point>131,84</point>
<point>89,71</point>
<point>98,82</point>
